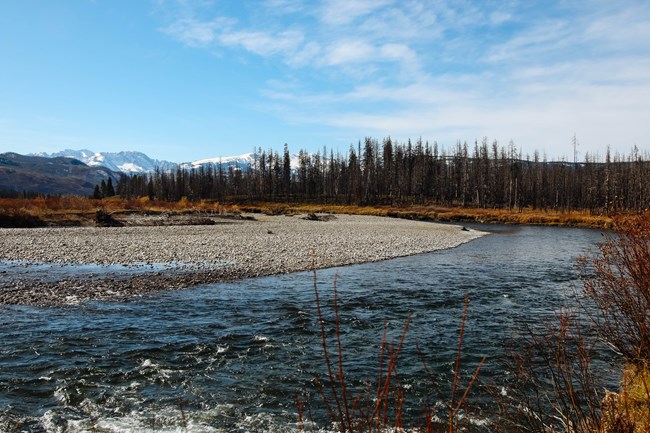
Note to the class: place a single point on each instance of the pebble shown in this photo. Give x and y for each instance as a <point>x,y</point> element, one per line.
<point>205,253</point>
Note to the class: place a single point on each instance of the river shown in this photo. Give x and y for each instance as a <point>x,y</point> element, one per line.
<point>233,356</point>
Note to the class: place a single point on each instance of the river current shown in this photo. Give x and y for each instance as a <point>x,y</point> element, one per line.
<point>234,356</point>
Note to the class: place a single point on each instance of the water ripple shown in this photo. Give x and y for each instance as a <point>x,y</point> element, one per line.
<point>232,356</point>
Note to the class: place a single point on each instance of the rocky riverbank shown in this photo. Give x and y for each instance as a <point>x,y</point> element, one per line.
<point>53,266</point>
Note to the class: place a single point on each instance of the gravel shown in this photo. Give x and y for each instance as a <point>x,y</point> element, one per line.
<point>53,266</point>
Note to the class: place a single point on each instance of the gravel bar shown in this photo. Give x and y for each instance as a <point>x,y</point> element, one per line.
<point>55,266</point>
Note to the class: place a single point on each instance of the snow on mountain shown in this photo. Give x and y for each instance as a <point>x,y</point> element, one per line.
<point>294,161</point>
<point>82,155</point>
<point>126,161</point>
<point>129,167</point>
<point>131,162</point>
<point>242,162</point>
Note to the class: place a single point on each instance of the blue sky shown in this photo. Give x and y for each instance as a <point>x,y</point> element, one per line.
<point>190,79</point>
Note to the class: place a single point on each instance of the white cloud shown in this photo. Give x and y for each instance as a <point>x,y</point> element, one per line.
<point>341,12</point>
<point>349,51</point>
<point>620,30</point>
<point>415,22</point>
<point>543,107</point>
<point>534,43</point>
<point>285,6</point>
<point>397,52</point>
<point>196,33</point>
<point>422,94</point>
<point>404,56</point>
<point>304,55</point>
<point>453,70</point>
<point>264,44</point>
<point>382,34</point>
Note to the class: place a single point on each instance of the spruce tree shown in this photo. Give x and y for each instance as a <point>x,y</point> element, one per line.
<point>110,191</point>
<point>97,194</point>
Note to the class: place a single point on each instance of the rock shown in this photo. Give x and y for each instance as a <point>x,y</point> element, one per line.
<point>316,217</point>
<point>105,219</point>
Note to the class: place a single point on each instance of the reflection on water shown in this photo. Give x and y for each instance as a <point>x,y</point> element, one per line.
<point>232,356</point>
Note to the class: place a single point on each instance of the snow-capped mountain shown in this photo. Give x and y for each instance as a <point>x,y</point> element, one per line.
<point>126,162</point>
<point>58,176</point>
<point>131,162</point>
<point>242,161</point>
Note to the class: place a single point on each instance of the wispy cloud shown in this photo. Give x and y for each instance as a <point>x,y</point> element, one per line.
<point>342,12</point>
<point>535,42</point>
<point>264,44</point>
<point>454,69</point>
<point>349,51</point>
<point>331,40</point>
<point>621,31</point>
<point>285,6</point>
<point>415,22</point>
<point>197,33</point>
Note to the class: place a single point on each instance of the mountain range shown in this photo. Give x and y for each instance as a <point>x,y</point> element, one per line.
<point>78,171</point>
<point>122,162</point>
<point>132,162</point>
<point>56,175</point>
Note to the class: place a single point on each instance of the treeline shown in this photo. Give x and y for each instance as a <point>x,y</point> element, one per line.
<point>105,189</point>
<point>484,175</point>
<point>10,193</point>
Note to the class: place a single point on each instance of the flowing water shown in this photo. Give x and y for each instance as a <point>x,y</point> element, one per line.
<point>233,356</point>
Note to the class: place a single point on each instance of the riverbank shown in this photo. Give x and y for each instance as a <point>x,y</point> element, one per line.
<point>433,213</point>
<point>49,266</point>
<point>68,211</point>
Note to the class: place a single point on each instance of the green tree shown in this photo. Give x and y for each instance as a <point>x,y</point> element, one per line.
<point>110,191</point>
<point>97,194</point>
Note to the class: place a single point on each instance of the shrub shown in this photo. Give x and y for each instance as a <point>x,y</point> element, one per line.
<point>619,287</point>
<point>555,388</point>
<point>380,407</point>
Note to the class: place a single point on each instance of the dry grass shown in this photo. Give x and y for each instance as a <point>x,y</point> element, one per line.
<point>443,214</point>
<point>629,410</point>
<point>74,210</point>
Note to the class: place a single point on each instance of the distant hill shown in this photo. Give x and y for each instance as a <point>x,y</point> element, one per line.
<point>125,162</point>
<point>78,171</point>
<point>50,175</point>
<point>131,162</point>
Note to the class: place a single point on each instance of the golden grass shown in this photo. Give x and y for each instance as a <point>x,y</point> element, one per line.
<point>629,410</point>
<point>73,210</point>
<point>78,208</point>
<point>74,204</point>
<point>443,214</point>
<point>636,386</point>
